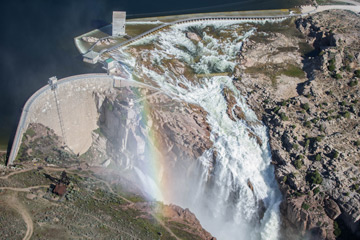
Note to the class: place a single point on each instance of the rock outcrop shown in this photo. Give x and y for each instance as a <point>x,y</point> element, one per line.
<point>314,127</point>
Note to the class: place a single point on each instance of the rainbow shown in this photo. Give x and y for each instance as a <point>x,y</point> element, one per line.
<point>153,174</point>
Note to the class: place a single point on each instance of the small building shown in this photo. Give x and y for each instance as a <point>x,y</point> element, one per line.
<point>118,23</point>
<point>109,63</point>
<point>60,189</point>
<point>91,57</point>
<point>53,82</point>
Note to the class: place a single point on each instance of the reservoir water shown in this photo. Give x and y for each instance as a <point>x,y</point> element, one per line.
<point>37,40</point>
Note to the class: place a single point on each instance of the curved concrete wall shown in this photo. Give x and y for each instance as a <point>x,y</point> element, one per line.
<point>199,19</point>
<point>78,110</point>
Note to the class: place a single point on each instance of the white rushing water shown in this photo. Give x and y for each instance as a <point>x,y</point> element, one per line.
<point>221,199</point>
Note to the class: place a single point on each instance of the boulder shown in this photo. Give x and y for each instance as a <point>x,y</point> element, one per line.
<point>331,208</point>
<point>193,36</point>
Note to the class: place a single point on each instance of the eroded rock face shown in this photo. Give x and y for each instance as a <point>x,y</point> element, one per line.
<point>178,214</point>
<point>139,124</point>
<point>180,128</point>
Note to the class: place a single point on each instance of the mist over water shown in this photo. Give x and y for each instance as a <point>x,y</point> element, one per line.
<point>216,187</point>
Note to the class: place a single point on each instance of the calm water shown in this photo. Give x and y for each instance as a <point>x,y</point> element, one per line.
<point>37,40</point>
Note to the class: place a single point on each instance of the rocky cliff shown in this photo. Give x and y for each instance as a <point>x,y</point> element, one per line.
<point>305,88</point>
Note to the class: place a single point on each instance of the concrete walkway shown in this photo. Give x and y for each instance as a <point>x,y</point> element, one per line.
<point>305,10</point>
<point>353,2</point>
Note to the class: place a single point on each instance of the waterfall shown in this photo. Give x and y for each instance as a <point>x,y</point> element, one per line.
<point>222,198</point>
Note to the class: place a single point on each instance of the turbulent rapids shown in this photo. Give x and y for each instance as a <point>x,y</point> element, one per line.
<point>234,196</point>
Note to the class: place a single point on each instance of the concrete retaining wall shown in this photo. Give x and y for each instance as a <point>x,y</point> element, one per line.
<point>78,109</point>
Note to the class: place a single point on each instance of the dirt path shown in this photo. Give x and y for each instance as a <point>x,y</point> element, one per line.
<point>16,172</point>
<point>28,189</point>
<point>132,203</point>
<point>13,202</point>
<point>164,226</point>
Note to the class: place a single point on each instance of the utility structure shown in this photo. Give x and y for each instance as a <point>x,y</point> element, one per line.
<point>118,23</point>
<point>54,85</point>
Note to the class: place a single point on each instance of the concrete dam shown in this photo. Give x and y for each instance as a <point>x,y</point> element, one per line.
<point>70,110</point>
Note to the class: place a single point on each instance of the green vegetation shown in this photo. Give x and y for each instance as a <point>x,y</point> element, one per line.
<point>307,142</point>
<point>335,154</point>
<point>318,157</point>
<point>352,108</point>
<point>331,66</point>
<point>276,109</point>
<point>357,73</point>
<point>338,76</point>
<point>298,164</point>
<point>99,132</point>
<point>110,107</point>
<point>346,114</point>
<point>314,177</point>
<point>357,143</point>
<point>179,230</point>
<point>298,194</point>
<point>305,48</point>
<point>353,83</point>
<point>29,178</point>
<point>284,179</point>
<point>347,68</point>
<point>295,146</point>
<point>305,206</point>
<point>307,124</point>
<point>293,71</point>
<point>337,231</point>
<point>272,71</point>
<point>284,117</point>
<point>316,190</point>
<point>319,138</point>
<point>30,132</point>
<point>305,106</point>
<point>315,120</point>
